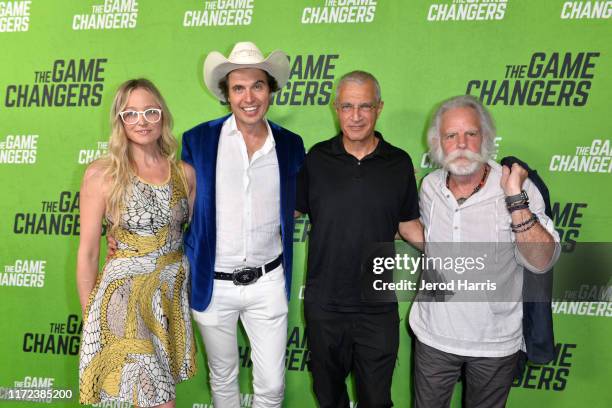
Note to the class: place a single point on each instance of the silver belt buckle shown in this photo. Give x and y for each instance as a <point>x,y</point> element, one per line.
<point>244,276</point>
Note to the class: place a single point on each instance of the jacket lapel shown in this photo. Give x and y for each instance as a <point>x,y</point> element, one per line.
<point>210,146</point>
<point>282,155</point>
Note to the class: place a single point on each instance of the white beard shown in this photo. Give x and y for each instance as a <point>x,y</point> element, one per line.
<point>475,160</point>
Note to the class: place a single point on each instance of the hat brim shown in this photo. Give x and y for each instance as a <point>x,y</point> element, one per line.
<point>216,67</point>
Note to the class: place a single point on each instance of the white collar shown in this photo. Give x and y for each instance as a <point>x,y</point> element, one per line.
<point>268,145</point>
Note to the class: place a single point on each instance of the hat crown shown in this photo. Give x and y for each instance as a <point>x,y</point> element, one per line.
<point>245,53</point>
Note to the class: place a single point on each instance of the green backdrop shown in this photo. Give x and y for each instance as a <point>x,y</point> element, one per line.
<point>542,67</point>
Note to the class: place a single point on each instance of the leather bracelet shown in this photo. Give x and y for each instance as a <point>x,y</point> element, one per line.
<point>522,196</point>
<point>518,207</point>
<point>522,224</point>
<point>518,202</point>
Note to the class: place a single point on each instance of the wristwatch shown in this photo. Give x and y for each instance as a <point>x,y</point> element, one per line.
<point>517,198</point>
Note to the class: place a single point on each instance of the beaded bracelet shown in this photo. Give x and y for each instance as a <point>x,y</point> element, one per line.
<point>526,228</point>
<point>522,224</point>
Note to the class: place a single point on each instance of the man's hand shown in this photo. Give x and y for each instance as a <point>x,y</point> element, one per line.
<point>512,179</point>
<point>111,244</point>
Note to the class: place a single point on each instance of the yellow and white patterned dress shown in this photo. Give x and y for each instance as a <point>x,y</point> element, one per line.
<point>137,340</point>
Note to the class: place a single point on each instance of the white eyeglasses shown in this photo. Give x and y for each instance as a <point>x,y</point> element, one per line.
<point>131,117</point>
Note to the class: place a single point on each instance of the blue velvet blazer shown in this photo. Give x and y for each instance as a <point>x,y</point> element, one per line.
<point>200,146</point>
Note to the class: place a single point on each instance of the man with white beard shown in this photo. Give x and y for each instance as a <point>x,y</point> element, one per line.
<point>474,199</point>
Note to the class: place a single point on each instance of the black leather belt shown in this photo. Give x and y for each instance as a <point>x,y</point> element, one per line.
<point>248,275</point>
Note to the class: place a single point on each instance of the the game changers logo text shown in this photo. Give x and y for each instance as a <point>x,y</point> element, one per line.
<point>568,223</point>
<point>580,10</point>
<point>220,13</point>
<point>594,158</point>
<point>467,10</point>
<point>86,156</point>
<point>548,79</point>
<point>14,16</point>
<point>69,83</point>
<point>340,12</point>
<point>62,338</point>
<point>311,80</point>
<point>19,149</point>
<point>552,376</point>
<point>109,15</point>
<point>58,217</point>
<point>24,273</point>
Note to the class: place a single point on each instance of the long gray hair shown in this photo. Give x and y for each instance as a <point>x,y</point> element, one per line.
<point>487,126</point>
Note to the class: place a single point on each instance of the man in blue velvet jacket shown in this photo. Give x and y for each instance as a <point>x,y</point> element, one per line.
<point>239,243</point>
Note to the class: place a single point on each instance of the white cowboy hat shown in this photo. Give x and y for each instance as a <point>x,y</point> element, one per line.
<point>244,55</point>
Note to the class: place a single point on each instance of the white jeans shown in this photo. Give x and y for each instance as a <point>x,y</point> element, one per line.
<point>262,308</point>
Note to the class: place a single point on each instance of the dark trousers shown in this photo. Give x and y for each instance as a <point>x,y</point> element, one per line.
<point>487,379</point>
<point>364,343</point>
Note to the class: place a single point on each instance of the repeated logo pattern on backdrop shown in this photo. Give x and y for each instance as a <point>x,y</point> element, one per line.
<point>474,10</point>
<point>107,15</point>
<point>543,69</point>
<point>553,79</point>
<point>220,13</point>
<point>67,83</point>
<point>340,12</point>
<point>14,16</point>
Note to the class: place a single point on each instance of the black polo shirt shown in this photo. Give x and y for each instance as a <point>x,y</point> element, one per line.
<point>352,204</point>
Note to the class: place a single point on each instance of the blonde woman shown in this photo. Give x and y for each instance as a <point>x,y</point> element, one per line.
<point>137,341</point>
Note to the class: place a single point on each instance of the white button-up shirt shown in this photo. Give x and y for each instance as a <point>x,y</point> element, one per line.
<point>478,328</point>
<point>247,202</point>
